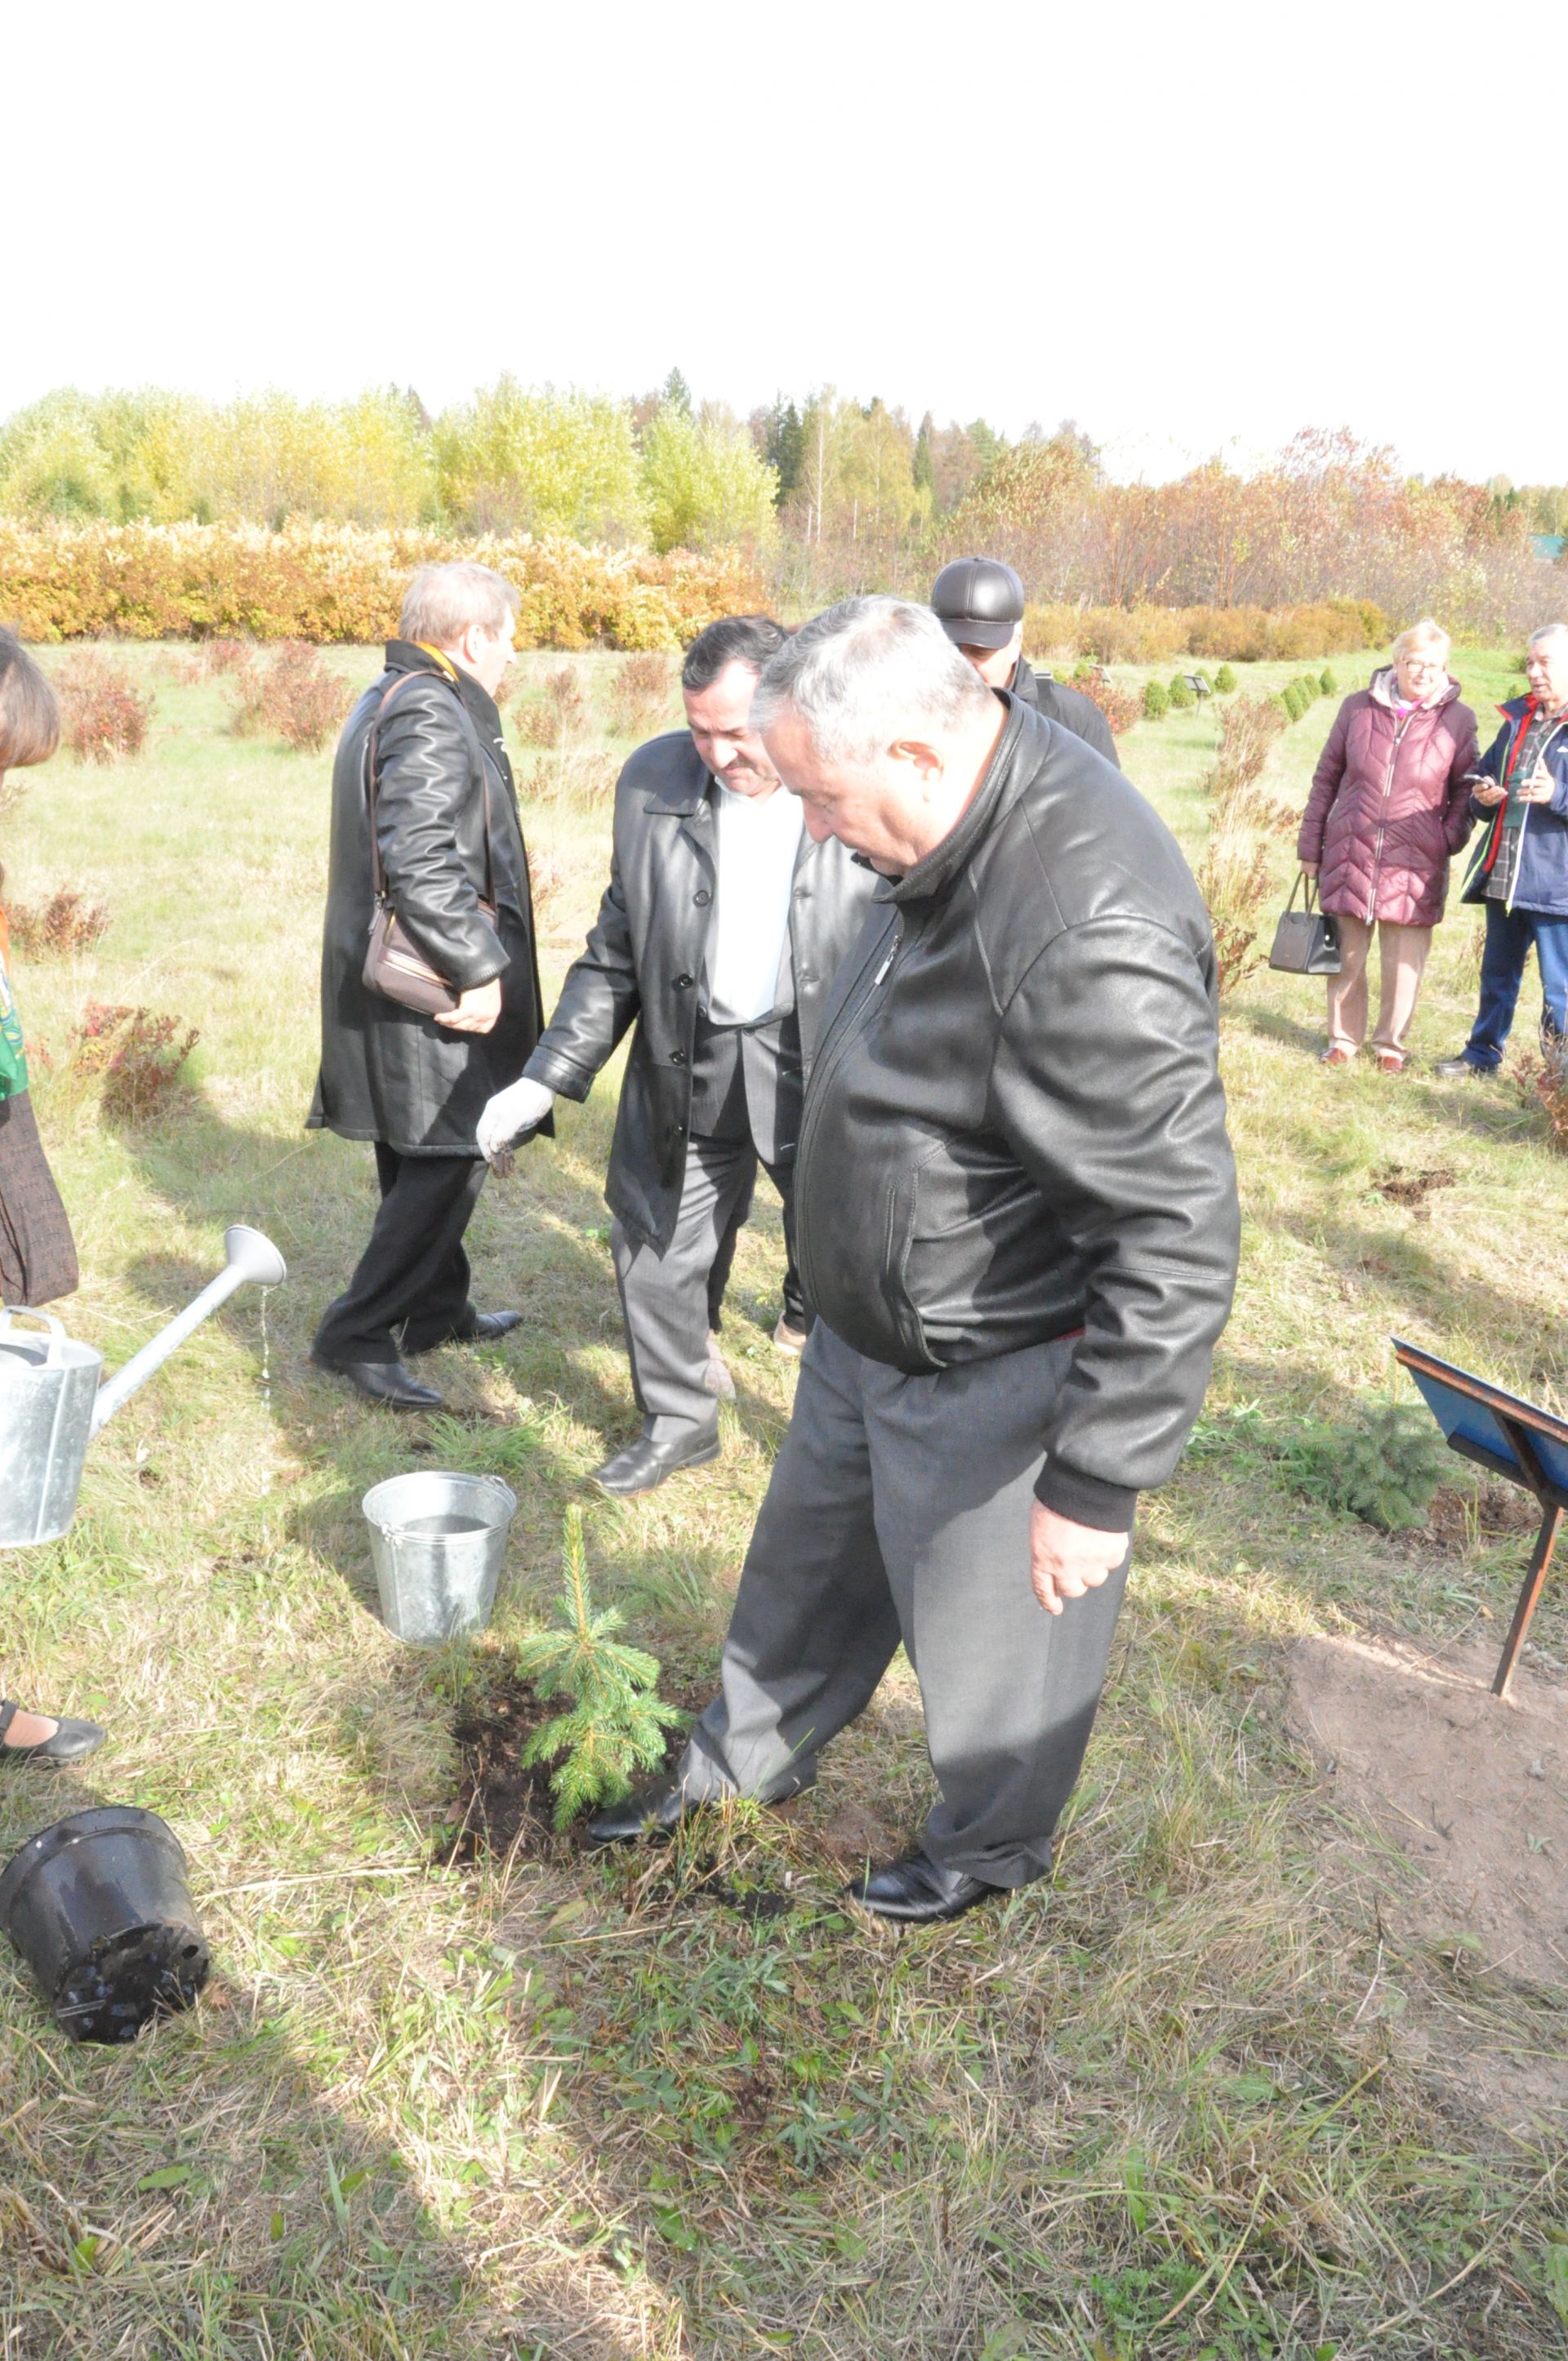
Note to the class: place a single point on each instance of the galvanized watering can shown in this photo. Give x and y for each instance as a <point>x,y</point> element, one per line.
<point>52,1404</point>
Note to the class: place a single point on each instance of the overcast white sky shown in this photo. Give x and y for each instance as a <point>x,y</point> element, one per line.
<point>1192,230</point>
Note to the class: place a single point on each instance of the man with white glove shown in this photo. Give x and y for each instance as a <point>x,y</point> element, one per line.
<point>721,930</point>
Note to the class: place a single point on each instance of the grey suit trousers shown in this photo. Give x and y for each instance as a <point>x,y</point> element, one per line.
<point>743,1099</point>
<point>899,1510</point>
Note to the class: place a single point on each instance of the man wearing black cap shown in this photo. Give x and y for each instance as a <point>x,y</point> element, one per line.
<point>980,604</point>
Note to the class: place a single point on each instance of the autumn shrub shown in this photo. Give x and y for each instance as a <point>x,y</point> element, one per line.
<point>140,1057</point>
<point>1224,681</point>
<point>103,716</point>
<point>65,924</point>
<point>557,716</point>
<point>1182,697</point>
<point>293,695</point>
<point>1121,707</point>
<point>639,695</point>
<point>1542,1083</point>
<point>1157,700</point>
<point>546,884</point>
<point>332,583</point>
<point>1249,728</point>
<point>1234,881</point>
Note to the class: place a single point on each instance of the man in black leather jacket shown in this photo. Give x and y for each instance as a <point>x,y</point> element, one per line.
<point>1017,1219</point>
<point>980,604</point>
<point>717,937</point>
<point>457,874</point>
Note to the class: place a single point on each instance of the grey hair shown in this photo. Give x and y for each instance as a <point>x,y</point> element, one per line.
<point>865,673</point>
<point>442,600</point>
<point>1547,631</point>
<point>1427,634</point>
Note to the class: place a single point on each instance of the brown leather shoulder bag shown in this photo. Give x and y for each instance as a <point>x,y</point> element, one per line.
<point>395,967</point>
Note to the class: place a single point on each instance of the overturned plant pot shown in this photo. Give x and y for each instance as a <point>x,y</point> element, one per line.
<point>99,1908</point>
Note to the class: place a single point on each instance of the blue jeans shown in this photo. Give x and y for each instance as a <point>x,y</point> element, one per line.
<point>1509,934</point>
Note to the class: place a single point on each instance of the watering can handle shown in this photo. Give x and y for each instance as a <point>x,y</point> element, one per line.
<point>56,1328</point>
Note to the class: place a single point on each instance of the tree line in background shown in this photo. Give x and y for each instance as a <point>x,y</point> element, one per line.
<point>823,495</point>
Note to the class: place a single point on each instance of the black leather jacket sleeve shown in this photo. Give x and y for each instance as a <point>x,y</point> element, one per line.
<point>599,1001</point>
<point>430,800</point>
<point>1105,1084</point>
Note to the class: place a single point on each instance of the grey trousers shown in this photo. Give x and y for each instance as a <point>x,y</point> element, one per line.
<point>899,1510</point>
<point>667,1300</point>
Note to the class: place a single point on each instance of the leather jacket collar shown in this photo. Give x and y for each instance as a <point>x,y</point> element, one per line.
<point>932,877</point>
<point>409,655</point>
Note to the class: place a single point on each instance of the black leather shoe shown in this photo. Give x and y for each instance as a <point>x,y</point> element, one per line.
<point>918,1891</point>
<point>656,1812</point>
<point>487,1326</point>
<point>67,1742</point>
<point>387,1382</point>
<point>644,1463</point>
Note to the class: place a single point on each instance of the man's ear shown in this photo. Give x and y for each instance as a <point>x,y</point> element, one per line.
<point>923,758</point>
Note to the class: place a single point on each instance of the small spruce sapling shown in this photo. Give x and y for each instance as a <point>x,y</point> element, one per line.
<point>1328,685</point>
<point>1383,1469</point>
<point>1224,681</point>
<point>1180,696</point>
<point>1157,700</point>
<point>618,1722</point>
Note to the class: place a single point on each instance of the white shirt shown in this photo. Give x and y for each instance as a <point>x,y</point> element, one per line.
<point>757,840</point>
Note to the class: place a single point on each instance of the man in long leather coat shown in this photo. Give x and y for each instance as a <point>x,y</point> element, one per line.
<point>717,937</point>
<point>457,874</point>
<point>980,604</point>
<point>1017,1220</point>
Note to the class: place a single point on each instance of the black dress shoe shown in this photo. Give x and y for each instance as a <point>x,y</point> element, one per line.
<point>918,1891</point>
<point>644,1463</point>
<point>67,1742</point>
<point>656,1812</point>
<point>487,1327</point>
<point>387,1382</point>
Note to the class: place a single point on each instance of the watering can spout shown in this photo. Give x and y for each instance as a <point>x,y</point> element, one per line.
<point>252,1259</point>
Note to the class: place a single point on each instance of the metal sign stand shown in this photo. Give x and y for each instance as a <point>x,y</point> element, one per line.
<point>1509,1438</point>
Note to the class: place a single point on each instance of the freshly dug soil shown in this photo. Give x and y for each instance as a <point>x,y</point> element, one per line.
<point>1470,1793</point>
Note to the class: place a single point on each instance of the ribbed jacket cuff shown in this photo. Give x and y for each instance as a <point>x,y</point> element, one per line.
<point>1109,1508</point>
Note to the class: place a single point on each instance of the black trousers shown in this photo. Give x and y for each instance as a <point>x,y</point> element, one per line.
<point>410,1290</point>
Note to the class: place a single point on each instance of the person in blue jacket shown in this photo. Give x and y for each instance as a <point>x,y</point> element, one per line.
<point>1520,871</point>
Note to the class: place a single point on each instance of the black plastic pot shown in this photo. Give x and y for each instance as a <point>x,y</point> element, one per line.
<point>99,1908</point>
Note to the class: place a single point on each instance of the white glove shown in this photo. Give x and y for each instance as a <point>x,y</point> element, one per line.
<point>522,1106</point>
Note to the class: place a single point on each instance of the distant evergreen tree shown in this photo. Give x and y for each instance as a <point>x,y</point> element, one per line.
<point>676,394</point>
<point>924,470</point>
<point>783,445</point>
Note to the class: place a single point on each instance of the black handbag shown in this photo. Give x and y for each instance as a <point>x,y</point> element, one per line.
<point>1306,941</point>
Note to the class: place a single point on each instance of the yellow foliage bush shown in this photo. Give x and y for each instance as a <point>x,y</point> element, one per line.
<point>1232,634</point>
<point>326,583</point>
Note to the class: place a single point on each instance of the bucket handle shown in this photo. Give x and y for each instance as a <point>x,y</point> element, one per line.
<point>57,1336</point>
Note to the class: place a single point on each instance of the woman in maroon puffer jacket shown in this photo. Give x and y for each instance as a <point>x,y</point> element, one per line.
<point>1390,804</point>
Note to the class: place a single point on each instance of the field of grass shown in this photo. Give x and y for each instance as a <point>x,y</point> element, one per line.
<point>1190,2098</point>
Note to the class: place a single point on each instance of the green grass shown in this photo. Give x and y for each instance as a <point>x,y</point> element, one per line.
<point>678,2105</point>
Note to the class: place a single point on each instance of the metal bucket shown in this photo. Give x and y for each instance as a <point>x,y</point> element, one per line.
<point>437,1540</point>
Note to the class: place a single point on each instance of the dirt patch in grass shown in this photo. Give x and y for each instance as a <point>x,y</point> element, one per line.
<point>1468,1793</point>
<point>1411,1190</point>
<point>1457,1519</point>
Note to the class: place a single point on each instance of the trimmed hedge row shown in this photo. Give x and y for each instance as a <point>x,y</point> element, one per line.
<point>326,583</point>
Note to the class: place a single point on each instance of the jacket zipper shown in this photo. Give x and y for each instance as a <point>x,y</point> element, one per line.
<point>1399,730</point>
<point>832,1052</point>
